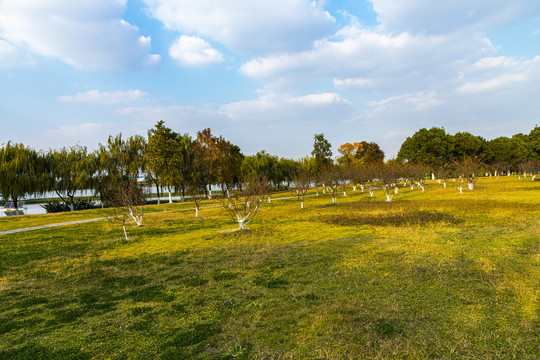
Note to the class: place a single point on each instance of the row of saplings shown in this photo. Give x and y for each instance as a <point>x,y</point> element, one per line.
<point>242,201</point>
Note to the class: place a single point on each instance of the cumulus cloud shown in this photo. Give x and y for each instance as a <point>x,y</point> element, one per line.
<point>246,26</point>
<point>107,98</point>
<point>357,57</point>
<point>194,51</point>
<point>436,17</point>
<point>489,74</point>
<point>90,35</point>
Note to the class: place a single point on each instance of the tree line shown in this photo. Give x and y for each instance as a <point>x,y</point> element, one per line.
<point>194,166</point>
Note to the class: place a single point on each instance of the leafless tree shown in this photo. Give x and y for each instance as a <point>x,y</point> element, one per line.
<point>333,179</point>
<point>302,182</point>
<point>530,167</point>
<point>126,200</point>
<point>387,176</point>
<point>467,170</point>
<point>417,174</point>
<point>242,203</point>
<point>359,175</point>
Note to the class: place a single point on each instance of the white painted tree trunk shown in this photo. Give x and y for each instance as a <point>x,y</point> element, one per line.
<point>421,186</point>
<point>460,188</point>
<point>388,197</point>
<point>344,193</point>
<point>396,190</point>
<point>354,188</point>
<point>125,233</point>
<point>470,186</point>
<point>371,193</point>
<point>137,218</point>
<point>362,187</point>
<point>301,205</point>
<point>533,177</point>
<point>444,184</point>
<point>170,197</point>
<point>196,211</point>
<point>269,199</point>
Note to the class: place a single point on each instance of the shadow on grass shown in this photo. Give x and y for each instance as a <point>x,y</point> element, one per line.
<point>393,219</point>
<point>191,342</point>
<point>36,352</point>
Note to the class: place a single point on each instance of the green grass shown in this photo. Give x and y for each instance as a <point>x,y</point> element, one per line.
<point>438,275</point>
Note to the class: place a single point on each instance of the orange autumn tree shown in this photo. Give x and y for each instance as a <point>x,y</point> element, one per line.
<point>360,153</point>
<point>349,153</point>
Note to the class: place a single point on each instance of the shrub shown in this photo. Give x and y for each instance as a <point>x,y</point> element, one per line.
<point>58,206</point>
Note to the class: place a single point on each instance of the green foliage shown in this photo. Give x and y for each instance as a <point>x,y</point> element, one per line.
<point>262,163</point>
<point>167,155</point>
<point>18,174</point>
<point>432,147</point>
<point>468,145</point>
<point>57,206</point>
<point>69,170</point>
<point>322,152</point>
<point>534,142</point>
<point>512,151</point>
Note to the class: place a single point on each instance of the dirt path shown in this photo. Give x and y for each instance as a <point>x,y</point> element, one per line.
<point>50,226</point>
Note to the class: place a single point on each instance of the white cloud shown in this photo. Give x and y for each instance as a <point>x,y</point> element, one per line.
<point>151,60</point>
<point>247,26</point>
<point>491,84</point>
<point>107,98</point>
<point>358,57</point>
<point>12,56</point>
<point>285,109</point>
<point>85,134</point>
<point>489,74</point>
<point>194,51</point>
<point>267,122</point>
<point>356,83</point>
<point>90,35</point>
<point>438,17</point>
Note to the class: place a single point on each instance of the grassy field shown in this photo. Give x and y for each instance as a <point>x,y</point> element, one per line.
<point>431,275</point>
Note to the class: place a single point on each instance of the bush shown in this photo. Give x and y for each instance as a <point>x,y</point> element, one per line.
<point>58,206</point>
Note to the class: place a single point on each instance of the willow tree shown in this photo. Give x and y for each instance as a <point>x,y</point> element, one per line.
<point>69,170</point>
<point>118,160</point>
<point>18,175</point>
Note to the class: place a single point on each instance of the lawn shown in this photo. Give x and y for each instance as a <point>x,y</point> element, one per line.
<point>431,275</point>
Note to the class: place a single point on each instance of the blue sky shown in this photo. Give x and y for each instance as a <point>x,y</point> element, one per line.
<point>267,74</point>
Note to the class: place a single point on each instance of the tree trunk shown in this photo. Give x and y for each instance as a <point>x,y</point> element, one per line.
<point>71,202</point>
<point>125,233</point>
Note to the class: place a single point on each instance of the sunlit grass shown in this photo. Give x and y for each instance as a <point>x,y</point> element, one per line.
<point>434,274</point>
